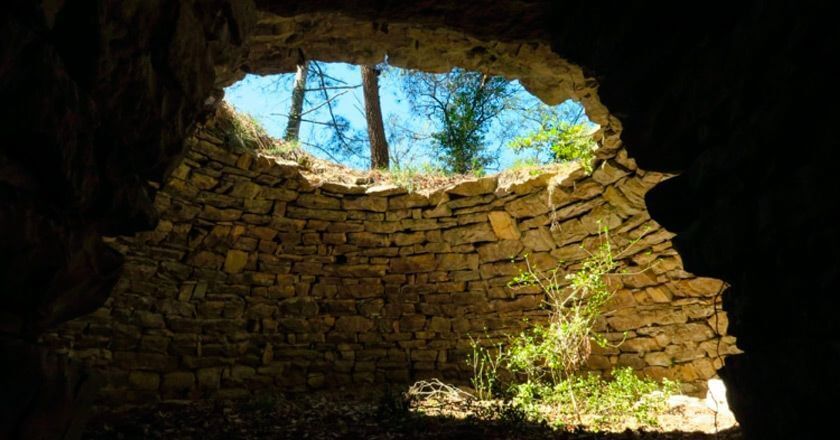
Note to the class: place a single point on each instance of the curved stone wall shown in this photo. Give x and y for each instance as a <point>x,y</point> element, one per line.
<point>258,276</point>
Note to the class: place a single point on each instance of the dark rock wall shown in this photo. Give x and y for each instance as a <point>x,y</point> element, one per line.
<point>740,106</point>
<point>97,96</point>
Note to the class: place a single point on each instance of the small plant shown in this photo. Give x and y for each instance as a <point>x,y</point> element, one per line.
<point>393,404</point>
<point>530,165</point>
<point>486,364</point>
<point>282,149</point>
<point>404,177</point>
<point>245,132</point>
<point>412,177</point>
<point>544,361</point>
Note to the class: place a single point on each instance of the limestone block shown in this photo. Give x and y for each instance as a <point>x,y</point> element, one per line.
<point>538,240</point>
<point>438,211</point>
<point>149,319</point>
<point>318,201</point>
<point>414,264</point>
<point>452,262</point>
<point>367,239</point>
<point>353,324</point>
<point>409,238</point>
<point>608,172</point>
<point>412,323</point>
<point>245,190</point>
<point>215,214</point>
<point>528,206</point>
<point>239,373</point>
<point>480,232</point>
<point>209,378</point>
<point>279,193</point>
<point>179,380</point>
<point>144,380</point>
<point>424,224</point>
<point>235,261</point>
<point>696,287</point>
<point>476,187</point>
<point>367,203</point>
<point>413,200</point>
<point>318,214</point>
<point>302,307</point>
<point>501,250</point>
<point>504,226</point>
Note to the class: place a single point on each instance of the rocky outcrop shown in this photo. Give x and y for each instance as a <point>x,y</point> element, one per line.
<point>259,277</point>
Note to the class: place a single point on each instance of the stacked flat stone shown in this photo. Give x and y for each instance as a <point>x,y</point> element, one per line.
<point>258,277</point>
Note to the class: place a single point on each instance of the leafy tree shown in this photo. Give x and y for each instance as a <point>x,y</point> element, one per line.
<point>463,105</point>
<point>314,93</point>
<point>562,136</point>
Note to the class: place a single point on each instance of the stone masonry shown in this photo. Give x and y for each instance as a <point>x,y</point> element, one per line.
<point>258,278</point>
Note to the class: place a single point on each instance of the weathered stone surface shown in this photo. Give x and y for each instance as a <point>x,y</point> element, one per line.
<point>178,381</point>
<point>353,324</point>
<point>235,261</point>
<point>502,250</point>
<point>504,226</point>
<point>538,240</point>
<point>308,283</point>
<point>318,201</point>
<point>144,380</point>
<point>485,185</point>
<point>367,239</point>
<point>370,203</point>
<point>453,262</point>
<point>419,263</point>
<point>480,232</point>
<point>529,206</point>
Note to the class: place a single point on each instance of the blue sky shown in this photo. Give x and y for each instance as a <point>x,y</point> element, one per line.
<point>267,98</point>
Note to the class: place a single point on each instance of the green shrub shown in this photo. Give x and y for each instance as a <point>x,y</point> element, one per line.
<point>562,140</point>
<point>544,362</point>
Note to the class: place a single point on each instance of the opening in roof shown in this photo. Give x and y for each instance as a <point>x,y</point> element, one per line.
<point>437,125</point>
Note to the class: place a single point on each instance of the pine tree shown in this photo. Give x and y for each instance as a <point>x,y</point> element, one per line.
<point>379,158</point>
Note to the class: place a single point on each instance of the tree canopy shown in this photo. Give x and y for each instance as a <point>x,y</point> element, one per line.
<point>455,122</point>
<point>462,105</point>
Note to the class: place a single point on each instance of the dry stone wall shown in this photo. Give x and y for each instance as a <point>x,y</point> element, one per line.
<point>258,277</point>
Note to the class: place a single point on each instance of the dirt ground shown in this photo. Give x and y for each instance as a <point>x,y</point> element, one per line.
<point>347,415</point>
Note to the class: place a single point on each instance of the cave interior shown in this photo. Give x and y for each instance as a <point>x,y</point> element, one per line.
<point>736,102</point>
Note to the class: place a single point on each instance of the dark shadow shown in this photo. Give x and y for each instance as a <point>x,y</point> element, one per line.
<point>329,418</point>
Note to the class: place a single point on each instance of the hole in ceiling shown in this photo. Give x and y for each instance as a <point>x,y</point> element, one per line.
<point>461,121</point>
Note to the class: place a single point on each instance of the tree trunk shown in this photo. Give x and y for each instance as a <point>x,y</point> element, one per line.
<point>298,92</point>
<point>373,114</point>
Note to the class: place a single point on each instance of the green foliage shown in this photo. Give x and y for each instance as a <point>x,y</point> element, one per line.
<point>605,403</point>
<point>408,176</point>
<point>403,177</point>
<point>564,141</point>
<point>544,362</point>
<point>463,105</point>
<point>486,364</point>
<point>284,149</point>
<point>531,165</point>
